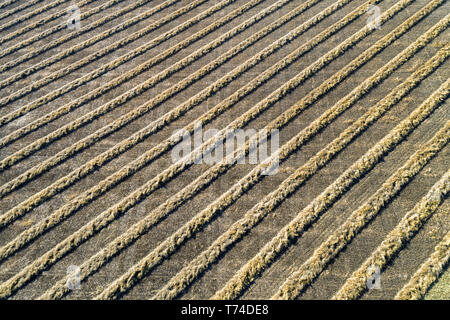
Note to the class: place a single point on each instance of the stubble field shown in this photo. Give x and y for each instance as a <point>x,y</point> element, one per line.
<point>88,118</point>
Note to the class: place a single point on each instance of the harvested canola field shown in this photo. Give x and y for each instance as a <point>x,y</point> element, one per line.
<point>97,98</point>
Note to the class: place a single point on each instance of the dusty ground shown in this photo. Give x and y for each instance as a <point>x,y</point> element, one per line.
<point>334,276</point>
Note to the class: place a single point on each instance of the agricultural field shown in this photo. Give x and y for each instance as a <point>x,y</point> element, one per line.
<point>98,98</point>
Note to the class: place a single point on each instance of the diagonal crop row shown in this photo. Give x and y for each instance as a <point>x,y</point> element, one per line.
<point>95,191</point>
<point>134,232</point>
<point>83,45</point>
<point>156,125</point>
<point>399,236</point>
<point>111,214</point>
<point>238,283</point>
<point>428,272</point>
<point>328,250</point>
<point>9,2</point>
<point>119,61</point>
<point>49,31</point>
<point>27,16</point>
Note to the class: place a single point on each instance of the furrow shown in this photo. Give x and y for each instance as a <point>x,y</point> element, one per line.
<point>398,237</point>
<point>428,272</point>
<point>83,45</point>
<point>328,250</point>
